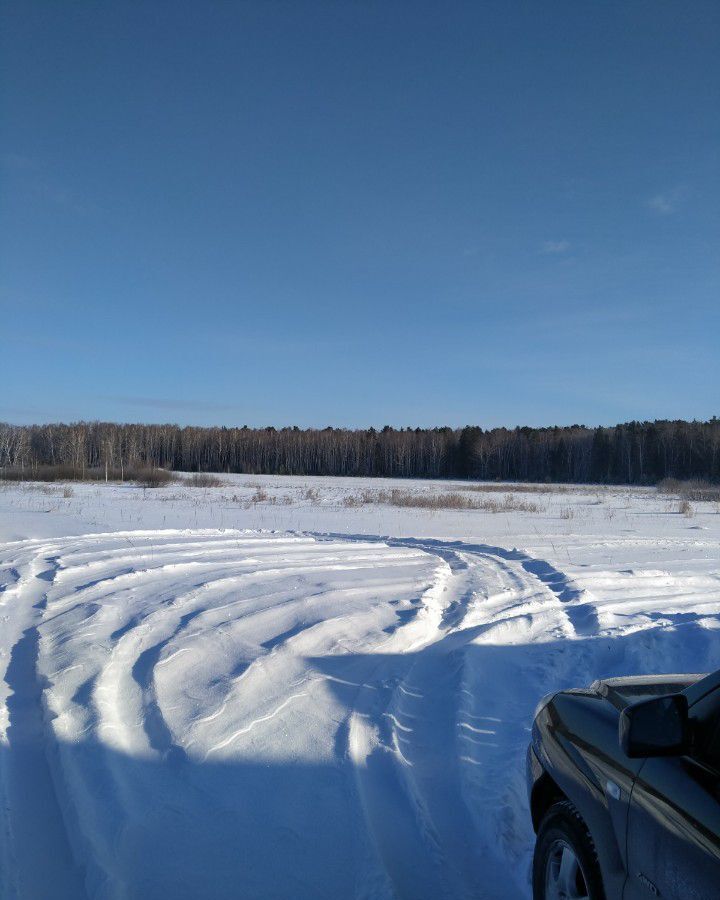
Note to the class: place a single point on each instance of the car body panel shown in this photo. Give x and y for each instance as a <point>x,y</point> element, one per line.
<point>673,829</point>
<point>650,819</point>
<point>575,741</point>
<point>674,816</point>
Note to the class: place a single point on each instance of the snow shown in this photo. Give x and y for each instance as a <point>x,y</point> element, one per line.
<point>267,690</point>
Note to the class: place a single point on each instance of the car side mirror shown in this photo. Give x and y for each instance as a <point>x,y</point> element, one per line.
<point>656,727</point>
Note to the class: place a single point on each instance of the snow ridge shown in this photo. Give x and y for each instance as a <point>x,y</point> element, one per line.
<point>225,713</point>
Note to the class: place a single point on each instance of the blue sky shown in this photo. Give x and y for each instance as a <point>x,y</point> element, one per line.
<point>360,213</point>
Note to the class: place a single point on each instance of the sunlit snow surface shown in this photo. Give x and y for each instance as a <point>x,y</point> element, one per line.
<point>210,697</point>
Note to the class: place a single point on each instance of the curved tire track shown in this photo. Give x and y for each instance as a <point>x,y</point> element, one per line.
<point>316,700</point>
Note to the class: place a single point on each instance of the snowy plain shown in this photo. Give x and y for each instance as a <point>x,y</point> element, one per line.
<point>280,688</point>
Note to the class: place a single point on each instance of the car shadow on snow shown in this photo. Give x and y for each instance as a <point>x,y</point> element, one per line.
<point>423,784</point>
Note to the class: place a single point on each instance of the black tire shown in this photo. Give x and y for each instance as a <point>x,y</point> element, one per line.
<point>563,824</point>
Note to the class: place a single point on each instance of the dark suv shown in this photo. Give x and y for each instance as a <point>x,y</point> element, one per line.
<point>624,783</point>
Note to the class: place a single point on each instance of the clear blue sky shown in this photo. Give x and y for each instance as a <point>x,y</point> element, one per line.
<point>355,213</point>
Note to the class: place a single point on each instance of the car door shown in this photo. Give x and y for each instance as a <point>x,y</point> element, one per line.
<point>673,848</point>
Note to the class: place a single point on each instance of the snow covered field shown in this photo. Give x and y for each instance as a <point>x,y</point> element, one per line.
<point>278,688</point>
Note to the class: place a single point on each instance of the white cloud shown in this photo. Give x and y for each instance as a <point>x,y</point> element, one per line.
<point>556,246</point>
<point>665,203</point>
<point>661,204</point>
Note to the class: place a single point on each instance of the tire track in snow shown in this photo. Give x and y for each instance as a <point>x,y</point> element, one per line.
<point>122,615</point>
<point>407,744</point>
<point>383,686</point>
<point>39,857</point>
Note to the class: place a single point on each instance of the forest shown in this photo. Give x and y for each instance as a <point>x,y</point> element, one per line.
<point>631,453</point>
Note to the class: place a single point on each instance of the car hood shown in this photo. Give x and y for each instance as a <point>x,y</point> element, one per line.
<point>621,692</point>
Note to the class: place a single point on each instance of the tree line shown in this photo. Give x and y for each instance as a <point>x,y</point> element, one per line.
<point>630,453</point>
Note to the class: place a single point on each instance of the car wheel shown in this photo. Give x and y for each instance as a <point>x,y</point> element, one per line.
<point>565,864</point>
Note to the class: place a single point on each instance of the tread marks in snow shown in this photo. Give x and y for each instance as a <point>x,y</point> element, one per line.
<point>406,727</point>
